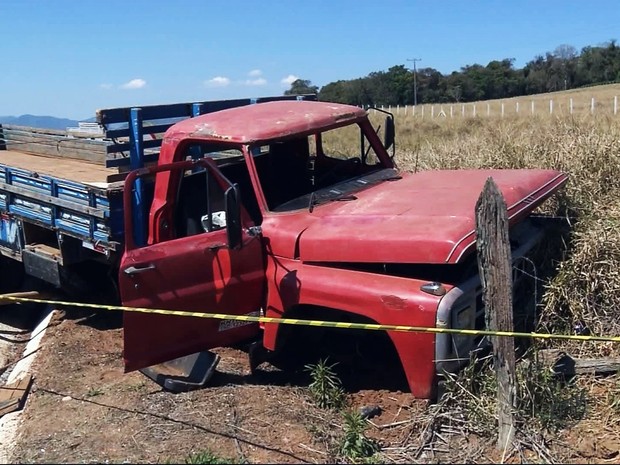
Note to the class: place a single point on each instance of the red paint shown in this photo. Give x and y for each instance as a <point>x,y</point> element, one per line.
<point>426,217</point>
<point>292,282</point>
<point>265,121</point>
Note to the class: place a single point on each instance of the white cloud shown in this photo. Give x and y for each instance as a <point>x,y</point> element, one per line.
<point>106,86</point>
<point>255,73</point>
<point>256,82</point>
<point>218,81</point>
<point>134,84</point>
<point>288,80</point>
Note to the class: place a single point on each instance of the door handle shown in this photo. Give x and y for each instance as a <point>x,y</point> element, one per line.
<point>215,247</point>
<point>131,270</point>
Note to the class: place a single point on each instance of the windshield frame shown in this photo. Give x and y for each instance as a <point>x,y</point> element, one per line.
<point>321,190</point>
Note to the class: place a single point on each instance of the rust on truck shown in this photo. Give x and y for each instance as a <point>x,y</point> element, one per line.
<point>267,121</point>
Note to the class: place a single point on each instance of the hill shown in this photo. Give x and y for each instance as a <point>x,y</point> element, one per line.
<point>44,122</point>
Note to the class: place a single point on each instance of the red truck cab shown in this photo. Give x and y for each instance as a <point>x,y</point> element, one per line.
<point>260,210</point>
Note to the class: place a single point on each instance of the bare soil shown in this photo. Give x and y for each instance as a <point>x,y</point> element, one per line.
<point>83,409</point>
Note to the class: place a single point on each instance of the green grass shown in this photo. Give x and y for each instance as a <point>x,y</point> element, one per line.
<point>354,444</point>
<point>206,457</point>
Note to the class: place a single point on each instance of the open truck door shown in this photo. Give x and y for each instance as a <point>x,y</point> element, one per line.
<point>208,261</point>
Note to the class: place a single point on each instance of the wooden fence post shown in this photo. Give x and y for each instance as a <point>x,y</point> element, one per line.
<point>495,266</point>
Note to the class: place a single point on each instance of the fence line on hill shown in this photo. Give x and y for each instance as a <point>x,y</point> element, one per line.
<point>525,107</point>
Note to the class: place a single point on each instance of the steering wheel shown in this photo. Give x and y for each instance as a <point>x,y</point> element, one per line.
<point>340,165</point>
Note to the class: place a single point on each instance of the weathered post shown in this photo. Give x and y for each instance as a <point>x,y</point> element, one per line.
<point>495,266</point>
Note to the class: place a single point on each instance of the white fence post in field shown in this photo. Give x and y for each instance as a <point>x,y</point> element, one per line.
<point>615,104</point>
<point>475,111</point>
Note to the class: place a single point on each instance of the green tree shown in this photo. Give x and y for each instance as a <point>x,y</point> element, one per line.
<point>301,86</point>
<point>561,69</point>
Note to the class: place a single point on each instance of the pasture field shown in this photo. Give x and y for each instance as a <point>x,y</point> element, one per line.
<point>597,100</point>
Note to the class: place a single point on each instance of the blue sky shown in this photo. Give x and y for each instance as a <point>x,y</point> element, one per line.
<point>68,58</point>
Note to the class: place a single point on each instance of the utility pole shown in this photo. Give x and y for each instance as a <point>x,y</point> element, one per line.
<point>415,84</point>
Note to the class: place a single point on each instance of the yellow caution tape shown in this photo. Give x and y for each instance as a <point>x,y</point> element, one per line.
<point>317,323</point>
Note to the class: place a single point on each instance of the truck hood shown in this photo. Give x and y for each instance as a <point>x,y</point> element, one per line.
<point>426,217</point>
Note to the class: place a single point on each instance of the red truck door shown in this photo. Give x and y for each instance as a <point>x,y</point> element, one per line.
<point>194,270</point>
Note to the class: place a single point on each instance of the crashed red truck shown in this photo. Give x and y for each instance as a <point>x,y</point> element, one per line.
<point>256,210</point>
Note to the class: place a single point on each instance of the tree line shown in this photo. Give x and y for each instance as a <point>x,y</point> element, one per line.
<point>562,69</point>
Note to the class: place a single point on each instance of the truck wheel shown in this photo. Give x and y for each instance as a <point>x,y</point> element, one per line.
<point>12,275</point>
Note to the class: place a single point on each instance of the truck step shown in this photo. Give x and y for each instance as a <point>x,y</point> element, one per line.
<point>184,373</point>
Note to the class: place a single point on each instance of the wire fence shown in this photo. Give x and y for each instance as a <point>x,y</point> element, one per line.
<point>509,107</point>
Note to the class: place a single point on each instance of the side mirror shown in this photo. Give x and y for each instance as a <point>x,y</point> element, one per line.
<point>389,132</point>
<point>233,217</point>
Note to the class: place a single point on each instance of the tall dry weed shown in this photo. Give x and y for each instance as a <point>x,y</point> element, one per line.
<point>584,293</point>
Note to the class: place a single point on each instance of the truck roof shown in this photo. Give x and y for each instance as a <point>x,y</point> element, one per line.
<point>266,121</point>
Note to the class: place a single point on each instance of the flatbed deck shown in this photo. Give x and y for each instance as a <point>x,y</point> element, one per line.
<point>61,195</point>
<point>80,171</point>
